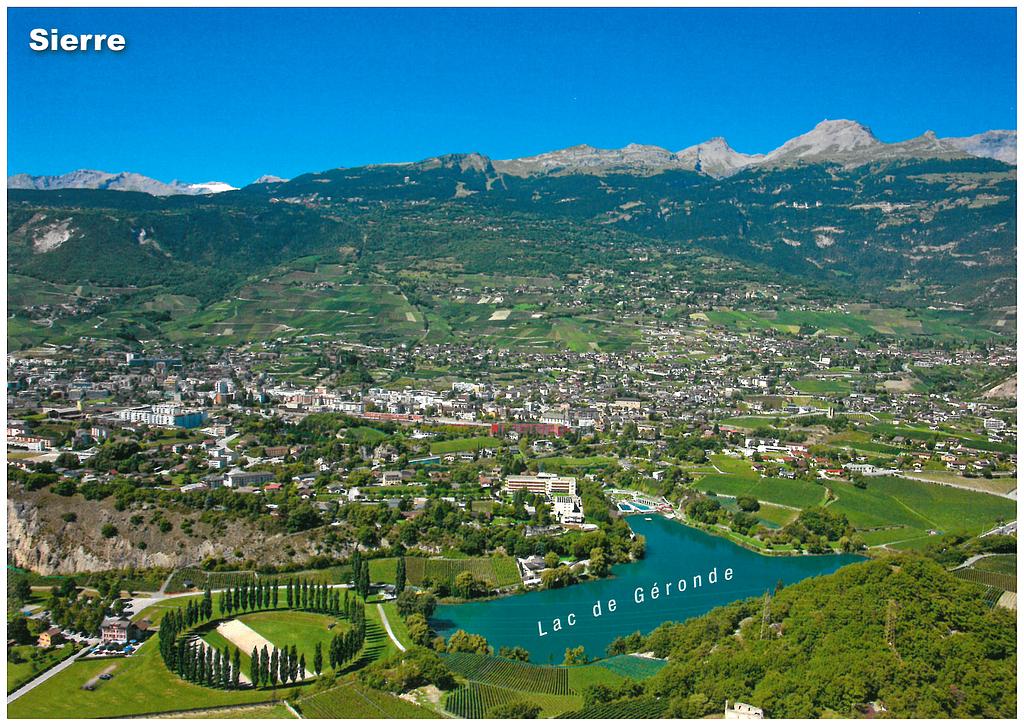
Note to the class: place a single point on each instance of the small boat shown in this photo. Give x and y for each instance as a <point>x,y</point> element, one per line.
<point>647,519</point>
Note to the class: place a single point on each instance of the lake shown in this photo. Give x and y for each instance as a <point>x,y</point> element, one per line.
<point>677,556</point>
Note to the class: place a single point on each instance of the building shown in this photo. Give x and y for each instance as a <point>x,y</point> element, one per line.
<point>547,484</point>
<point>239,478</point>
<point>568,510</point>
<point>121,630</point>
<point>50,637</point>
<point>164,415</point>
<point>533,429</point>
<point>743,711</point>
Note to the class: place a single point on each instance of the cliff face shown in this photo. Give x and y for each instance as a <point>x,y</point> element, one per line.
<point>39,538</point>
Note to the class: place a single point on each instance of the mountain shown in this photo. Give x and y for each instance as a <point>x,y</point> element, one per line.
<point>125,181</point>
<point>270,179</point>
<point>845,142</point>
<point>585,159</point>
<point>1000,145</point>
<point>852,144</point>
<point>716,158</point>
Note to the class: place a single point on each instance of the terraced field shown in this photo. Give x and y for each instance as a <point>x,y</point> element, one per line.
<point>788,492</point>
<point>193,578</point>
<point>917,507</point>
<point>476,699</point>
<point>1002,580</point>
<point>512,674</point>
<point>635,708</point>
<point>632,666</point>
<point>497,571</point>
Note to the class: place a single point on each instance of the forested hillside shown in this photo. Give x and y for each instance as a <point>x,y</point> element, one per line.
<point>899,632</point>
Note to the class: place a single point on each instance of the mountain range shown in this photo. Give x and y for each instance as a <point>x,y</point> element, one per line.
<point>125,181</point>
<point>917,223</point>
<point>844,142</point>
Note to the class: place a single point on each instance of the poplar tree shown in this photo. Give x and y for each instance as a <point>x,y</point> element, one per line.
<point>318,659</point>
<point>400,575</point>
<point>236,668</point>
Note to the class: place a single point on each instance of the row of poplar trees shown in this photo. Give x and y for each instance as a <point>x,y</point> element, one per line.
<point>277,667</point>
<point>196,661</point>
<point>299,595</point>
<point>193,659</point>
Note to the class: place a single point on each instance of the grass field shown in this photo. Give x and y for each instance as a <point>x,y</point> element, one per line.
<point>304,630</point>
<point>473,443</point>
<point>34,662</point>
<point>140,684</point>
<point>996,485</point>
<point>352,699</point>
<point>240,712</point>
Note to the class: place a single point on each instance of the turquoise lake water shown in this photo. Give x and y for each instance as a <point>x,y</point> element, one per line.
<point>674,552</point>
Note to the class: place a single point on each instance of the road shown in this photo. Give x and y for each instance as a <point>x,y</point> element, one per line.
<point>42,678</point>
<point>387,627</point>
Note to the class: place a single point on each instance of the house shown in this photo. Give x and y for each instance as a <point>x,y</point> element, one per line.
<point>742,711</point>
<point>50,637</point>
<point>121,630</point>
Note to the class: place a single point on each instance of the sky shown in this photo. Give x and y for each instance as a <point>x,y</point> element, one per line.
<point>232,94</point>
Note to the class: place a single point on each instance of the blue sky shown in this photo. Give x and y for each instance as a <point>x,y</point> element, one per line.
<point>232,94</point>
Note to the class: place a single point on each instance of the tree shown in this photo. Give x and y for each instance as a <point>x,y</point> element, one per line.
<point>574,656</point>
<point>17,630</point>
<point>400,575</point>
<point>465,585</point>
<point>463,642</point>
<point>318,659</point>
<point>236,668</point>
<point>516,653</point>
<point>19,591</point>
<point>598,562</point>
<point>418,628</point>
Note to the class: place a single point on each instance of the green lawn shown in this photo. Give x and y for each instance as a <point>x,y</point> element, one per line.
<point>397,624</point>
<point>140,684</point>
<point>304,630</point>
<point>468,444</point>
<point>34,662</point>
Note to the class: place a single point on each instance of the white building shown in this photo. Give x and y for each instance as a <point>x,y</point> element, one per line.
<point>568,510</point>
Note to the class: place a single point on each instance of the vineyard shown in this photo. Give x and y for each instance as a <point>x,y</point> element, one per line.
<point>476,699</point>
<point>497,571</point>
<point>353,700</point>
<point>632,666</point>
<point>512,674</point>
<point>633,708</point>
<point>193,578</point>
<point>1001,580</point>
